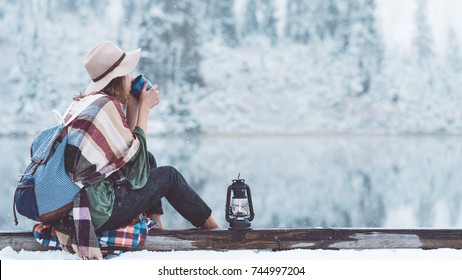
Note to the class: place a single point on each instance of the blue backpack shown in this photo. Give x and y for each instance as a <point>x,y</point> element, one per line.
<point>45,191</point>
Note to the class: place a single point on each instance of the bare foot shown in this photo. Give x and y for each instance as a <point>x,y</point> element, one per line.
<point>158,219</point>
<point>210,223</point>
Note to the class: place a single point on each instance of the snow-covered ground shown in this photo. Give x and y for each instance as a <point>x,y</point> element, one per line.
<point>299,254</point>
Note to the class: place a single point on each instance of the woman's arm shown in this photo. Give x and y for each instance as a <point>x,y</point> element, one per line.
<point>132,112</point>
<point>148,100</point>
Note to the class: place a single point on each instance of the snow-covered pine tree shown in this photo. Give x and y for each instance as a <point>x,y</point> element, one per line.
<point>223,17</point>
<point>190,58</point>
<point>425,85</point>
<point>453,52</point>
<point>250,25</point>
<point>452,70</point>
<point>365,50</point>
<point>269,21</point>
<point>423,40</point>
<point>330,20</point>
<point>299,20</point>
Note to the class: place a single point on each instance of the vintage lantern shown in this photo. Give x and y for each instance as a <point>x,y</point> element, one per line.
<point>239,208</point>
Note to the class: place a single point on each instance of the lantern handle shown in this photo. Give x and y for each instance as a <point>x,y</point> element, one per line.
<point>228,206</point>
<point>252,213</point>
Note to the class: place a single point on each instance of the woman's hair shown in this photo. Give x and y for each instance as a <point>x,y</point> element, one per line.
<point>115,88</point>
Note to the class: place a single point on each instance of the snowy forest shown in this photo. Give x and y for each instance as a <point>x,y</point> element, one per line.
<point>237,66</point>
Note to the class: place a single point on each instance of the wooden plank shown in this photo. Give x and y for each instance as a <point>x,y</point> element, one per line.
<point>397,238</point>
<point>276,239</point>
<point>256,239</point>
<point>19,241</point>
<point>286,239</point>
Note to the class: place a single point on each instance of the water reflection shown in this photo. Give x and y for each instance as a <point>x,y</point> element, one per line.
<point>392,182</point>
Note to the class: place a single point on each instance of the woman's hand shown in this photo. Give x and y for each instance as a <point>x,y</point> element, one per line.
<point>149,98</point>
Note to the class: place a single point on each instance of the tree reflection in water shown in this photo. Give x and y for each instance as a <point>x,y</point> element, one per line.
<point>316,181</point>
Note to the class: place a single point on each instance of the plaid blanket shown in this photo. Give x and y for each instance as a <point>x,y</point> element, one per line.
<point>111,242</point>
<point>45,234</point>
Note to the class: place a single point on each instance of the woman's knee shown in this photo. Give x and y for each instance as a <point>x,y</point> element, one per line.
<point>169,171</point>
<point>163,171</point>
<point>167,174</point>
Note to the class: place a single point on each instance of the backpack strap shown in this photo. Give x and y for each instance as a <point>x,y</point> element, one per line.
<point>77,107</point>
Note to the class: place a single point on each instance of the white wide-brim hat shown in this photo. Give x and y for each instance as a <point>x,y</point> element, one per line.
<point>107,61</point>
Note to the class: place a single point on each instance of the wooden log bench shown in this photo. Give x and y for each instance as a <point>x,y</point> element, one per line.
<point>276,239</point>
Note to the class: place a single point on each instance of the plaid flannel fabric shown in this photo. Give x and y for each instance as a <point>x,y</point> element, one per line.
<point>111,242</point>
<point>77,234</point>
<point>45,234</point>
<point>130,236</point>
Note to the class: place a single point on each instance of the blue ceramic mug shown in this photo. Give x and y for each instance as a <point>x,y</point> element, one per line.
<point>137,86</point>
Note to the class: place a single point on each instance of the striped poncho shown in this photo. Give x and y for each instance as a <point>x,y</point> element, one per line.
<point>99,142</point>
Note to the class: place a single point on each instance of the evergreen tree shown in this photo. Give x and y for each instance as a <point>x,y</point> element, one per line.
<point>331,19</point>
<point>217,21</point>
<point>365,46</point>
<point>190,58</point>
<point>453,53</point>
<point>301,20</point>
<point>423,40</point>
<point>269,21</point>
<point>427,83</point>
<point>339,22</point>
<point>453,70</point>
<point>250,18</point>
<point>321,28</point>
<point>260,18</point>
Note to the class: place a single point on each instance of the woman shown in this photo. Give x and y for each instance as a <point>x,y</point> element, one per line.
<point>107,151</point>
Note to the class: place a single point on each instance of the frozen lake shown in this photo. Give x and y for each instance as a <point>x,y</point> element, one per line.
<point>305,181</point>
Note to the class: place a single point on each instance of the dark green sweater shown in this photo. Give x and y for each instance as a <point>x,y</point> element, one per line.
<point>101,195</point>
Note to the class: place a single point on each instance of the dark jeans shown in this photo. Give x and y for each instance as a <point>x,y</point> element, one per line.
<point>163,181</point>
